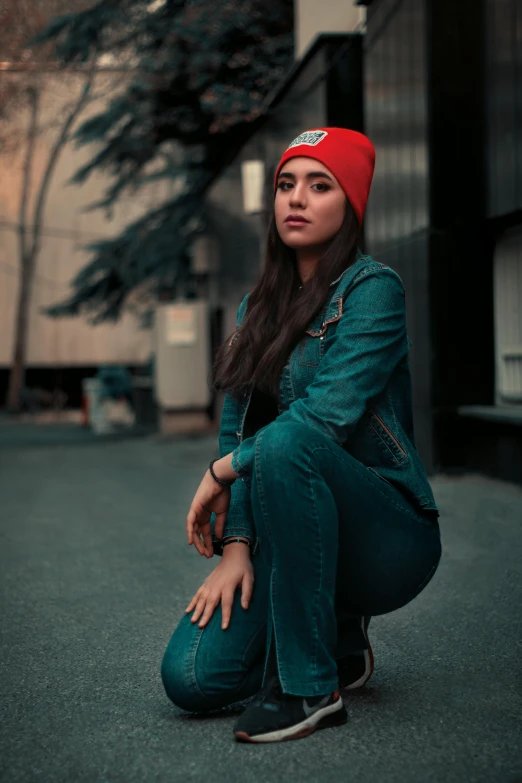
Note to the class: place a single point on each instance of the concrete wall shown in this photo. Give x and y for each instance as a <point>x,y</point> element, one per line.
<point>71,341</point>
<point>313,17</point>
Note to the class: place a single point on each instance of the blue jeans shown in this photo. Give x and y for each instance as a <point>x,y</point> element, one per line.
<point>335,541</point>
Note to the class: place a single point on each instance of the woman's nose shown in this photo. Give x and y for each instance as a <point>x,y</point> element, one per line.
<point>297,197</point>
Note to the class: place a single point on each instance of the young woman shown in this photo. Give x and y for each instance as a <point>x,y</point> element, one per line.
<point>319,504</point>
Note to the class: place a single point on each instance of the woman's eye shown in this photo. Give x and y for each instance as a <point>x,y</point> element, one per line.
<point>322,186</point>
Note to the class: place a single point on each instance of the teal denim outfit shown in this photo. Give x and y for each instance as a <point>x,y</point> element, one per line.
<point>332,493</point>
<point>349,378</point>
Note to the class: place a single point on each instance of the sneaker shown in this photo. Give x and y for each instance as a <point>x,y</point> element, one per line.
<point>356,668</point>
<point>274,716</point>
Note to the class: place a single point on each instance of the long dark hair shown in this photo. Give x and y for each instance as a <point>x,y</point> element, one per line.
<point>278,312</point>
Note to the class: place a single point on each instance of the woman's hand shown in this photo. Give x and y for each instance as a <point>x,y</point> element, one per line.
<point>234,569</point>
<point>210,497</point>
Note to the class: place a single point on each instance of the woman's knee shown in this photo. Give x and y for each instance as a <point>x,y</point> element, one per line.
<point>208,668</point>
<point>178,673</point>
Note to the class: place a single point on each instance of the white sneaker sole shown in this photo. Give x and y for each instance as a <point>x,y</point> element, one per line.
<point>324,718</point>
<point>368,659</point>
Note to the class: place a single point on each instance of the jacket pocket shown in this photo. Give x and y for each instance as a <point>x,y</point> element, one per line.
<point>310,350</point>
<point>391,446</point>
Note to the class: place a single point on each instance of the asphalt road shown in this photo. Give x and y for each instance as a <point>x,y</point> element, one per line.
<point>96,573</point>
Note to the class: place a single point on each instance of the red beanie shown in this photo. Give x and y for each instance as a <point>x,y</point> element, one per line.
<point>349,155</point>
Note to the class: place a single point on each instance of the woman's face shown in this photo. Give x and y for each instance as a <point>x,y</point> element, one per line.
<point>308,190</point>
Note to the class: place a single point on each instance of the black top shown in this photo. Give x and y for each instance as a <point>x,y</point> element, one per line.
<point>265,404</point>
<point>262,410</point>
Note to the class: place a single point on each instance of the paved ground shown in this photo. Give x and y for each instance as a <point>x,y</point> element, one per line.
<point>96,573</point>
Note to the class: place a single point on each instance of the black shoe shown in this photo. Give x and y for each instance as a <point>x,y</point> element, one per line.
<point>274,716</point>
<point>356,668</point>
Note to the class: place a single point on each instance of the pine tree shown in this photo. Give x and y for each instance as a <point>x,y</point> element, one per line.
<point>201,71</point>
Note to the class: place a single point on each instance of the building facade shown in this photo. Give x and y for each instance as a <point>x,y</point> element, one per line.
<point>443,104</point>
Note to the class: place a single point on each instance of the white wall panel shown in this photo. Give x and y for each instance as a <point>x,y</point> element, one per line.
<point>313,17</point>
<point>71,341</point>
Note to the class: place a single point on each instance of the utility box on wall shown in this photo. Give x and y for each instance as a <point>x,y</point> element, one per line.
<point>183,355</point>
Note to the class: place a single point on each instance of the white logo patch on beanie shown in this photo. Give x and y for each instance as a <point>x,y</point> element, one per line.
<point>311,138</point>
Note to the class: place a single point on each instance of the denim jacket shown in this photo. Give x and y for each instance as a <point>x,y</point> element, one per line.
<point>349,378</point>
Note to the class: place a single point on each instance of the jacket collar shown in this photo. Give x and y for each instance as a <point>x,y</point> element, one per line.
<point>357,257</point>
<point>333,310</point>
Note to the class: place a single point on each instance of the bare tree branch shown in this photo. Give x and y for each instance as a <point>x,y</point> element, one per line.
<point>54,155</point>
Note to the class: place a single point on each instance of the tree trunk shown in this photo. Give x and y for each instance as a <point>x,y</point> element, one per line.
<point>27,259</point>
<point>30,236</point>
<point>17,374</point>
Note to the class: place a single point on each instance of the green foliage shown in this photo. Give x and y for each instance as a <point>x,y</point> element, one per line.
<point>201,70</point>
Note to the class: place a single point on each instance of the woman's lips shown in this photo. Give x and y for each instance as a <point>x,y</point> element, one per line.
<point>296,223</point>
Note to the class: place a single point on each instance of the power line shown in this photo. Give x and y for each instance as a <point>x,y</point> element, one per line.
<point>15,271</point>
<point>57,233</point>
<point>52,67</point>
